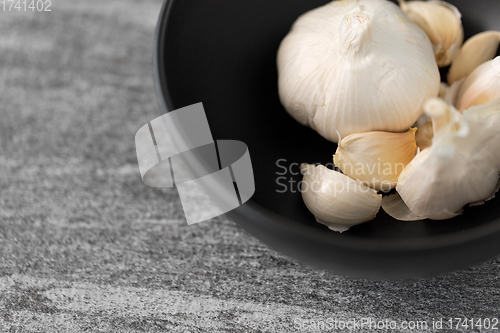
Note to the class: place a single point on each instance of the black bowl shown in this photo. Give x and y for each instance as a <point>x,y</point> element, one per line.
<point>223,53</point>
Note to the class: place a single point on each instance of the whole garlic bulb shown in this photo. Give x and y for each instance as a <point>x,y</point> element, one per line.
<point>336,200</point>
<point>356,66</point>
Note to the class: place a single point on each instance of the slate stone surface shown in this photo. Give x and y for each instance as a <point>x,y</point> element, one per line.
<point>86,247</point>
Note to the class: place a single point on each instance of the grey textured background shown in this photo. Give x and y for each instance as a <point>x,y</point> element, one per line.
<point>86,247</point>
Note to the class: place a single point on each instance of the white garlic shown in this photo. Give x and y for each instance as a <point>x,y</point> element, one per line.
<point>356,66</point>
<point>481,86</point>
<point>442,22</point>
<point>489,113</point>
<point>487,117</point>
<point>396,208</point>
<point>443,90</point>
<point>460,167</point>
<point>336,200</point>
<point>476,50</point>
<point>424,135</point>
<point>451,93</point>
<point>376,158</point>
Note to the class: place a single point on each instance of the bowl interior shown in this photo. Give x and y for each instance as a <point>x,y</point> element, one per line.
<point>223,53</point>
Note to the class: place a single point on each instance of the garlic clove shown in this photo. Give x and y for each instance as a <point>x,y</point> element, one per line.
<point>356,66</point>
<point>476,50</point>
<point>425,133</point>
<point>481,86</point>
<point>441,22</point>
<point>443,90</point>
<point>491,197</point>
<point>376,158</point>
<point>336,200</point>
<point>424,136</point>
<point>489,112</point>
<point>442,115</point>
<point>487,116</point>
<point>452,91</point>
<point>395,207</point>
<point>456,170</point>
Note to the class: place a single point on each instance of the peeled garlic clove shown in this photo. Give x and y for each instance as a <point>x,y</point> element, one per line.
<point>481,87</point>
<point>336,200</point>
<point>376,158</point>
<point>396,208</point>
<point>356,66</point>
<point>456,170</point>
<point>476,50</point>
<point>442,22</point>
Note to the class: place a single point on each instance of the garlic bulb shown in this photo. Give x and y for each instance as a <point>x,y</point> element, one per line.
<point>356,66</point>
<point>441,22</point>
<point>460,167</point>
<point>476,50</point>
<point>376,158</point>
<point>481,86</point>
<point>336,200</point>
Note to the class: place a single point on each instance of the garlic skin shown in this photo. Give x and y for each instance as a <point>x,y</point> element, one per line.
<point>336,200</point>
<point>425,132</point>
<point>487,116</point>
<point>396,208</point>
<point>443,90</point>
<point>459,168</point>
<point>489,113</point>
<point>452,91</point>
<point>356,66</point>
<point>424,136</point>
<point>376,158</point>
<point>442,22</point>
<point>476,50</point>
<point>481,86</point>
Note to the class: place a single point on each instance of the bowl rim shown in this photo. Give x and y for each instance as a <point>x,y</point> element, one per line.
<point>252,212</point>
